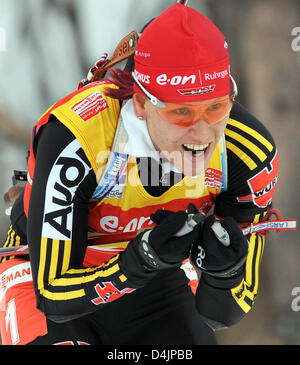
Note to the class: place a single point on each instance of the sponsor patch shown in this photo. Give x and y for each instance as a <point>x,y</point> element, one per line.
<point>213,178</point>
<point>108,292</point>
<point>216,75</point>
<point>164,79</point>
<point>113,182</point>
<point>112,224</point>
<point>15,275</point>
<point>90,106</point>
<point>142,77</point>
<point>262,185</point>
<point>197,90</point>
<point>68,171</point>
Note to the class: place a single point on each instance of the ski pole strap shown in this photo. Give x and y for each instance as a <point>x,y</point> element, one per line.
<point>262,228</point>
<point>267,224</point>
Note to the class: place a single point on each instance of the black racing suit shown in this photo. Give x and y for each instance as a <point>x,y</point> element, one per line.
<point>164,311</point>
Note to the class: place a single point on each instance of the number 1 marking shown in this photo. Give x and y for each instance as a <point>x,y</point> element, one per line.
<point>11,320</point>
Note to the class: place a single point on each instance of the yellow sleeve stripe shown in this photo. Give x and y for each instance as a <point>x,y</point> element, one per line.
<point>239,293</point>
<point>82,276</point>
<point>42,263</point>
<point>247,290</point>
<point>67,255</point>
<point>252,265</point>
<point>248,275</point>
<point>54,260</point>
<point>8,237</point>
<point>6,243</point>
<point>12,239</point>
<point>66,295</point>
<point>260,244</point>
<point>257,241</point>
<point>18,240</point>
<point>252,133</point>
<point>55,245</point>
<point>63,296</point>
<point>242,155</point>
<point>244,141</point>
<point>242,291</point>
<point>85,279</point>
<point>15,242</point>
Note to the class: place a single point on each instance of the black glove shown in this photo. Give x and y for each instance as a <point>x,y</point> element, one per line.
<point>170,249</point>
<point>214,258</point>
<point>158,248</point>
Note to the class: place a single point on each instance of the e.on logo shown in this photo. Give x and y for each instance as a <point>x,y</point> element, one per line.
<point>111,224</point>
<point>163,79</point>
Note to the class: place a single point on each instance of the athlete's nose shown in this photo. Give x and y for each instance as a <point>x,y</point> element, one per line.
<point>201,127</point>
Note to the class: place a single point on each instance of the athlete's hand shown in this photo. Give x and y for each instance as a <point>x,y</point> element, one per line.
<point>212,257</point>
<point>158,248</point>
<point>171,250</point>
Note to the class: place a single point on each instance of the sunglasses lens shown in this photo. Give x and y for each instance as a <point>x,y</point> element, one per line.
<point>187,115</point>
<point>179,114</point>
<point>218,111</point>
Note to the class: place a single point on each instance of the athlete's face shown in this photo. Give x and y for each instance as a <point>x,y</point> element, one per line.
<point>190,148</point>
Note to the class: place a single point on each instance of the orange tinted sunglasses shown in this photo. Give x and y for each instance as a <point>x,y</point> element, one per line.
<point>186,115</point>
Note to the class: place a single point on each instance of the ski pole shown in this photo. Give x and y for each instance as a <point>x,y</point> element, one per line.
<point>275,225</point>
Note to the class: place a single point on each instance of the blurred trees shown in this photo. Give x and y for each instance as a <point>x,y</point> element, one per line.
<point>267,72</point>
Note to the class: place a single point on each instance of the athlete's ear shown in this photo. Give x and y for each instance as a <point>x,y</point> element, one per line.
<point>139,102</point>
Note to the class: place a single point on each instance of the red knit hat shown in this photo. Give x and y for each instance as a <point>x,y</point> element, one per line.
<point>182,57</point>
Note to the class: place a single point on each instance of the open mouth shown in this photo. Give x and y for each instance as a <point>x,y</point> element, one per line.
<point>195,149</point>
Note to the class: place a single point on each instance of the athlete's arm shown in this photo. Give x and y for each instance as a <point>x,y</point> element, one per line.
<point>57,229</point>
<point>252,177</point>
<point>16,234</point>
